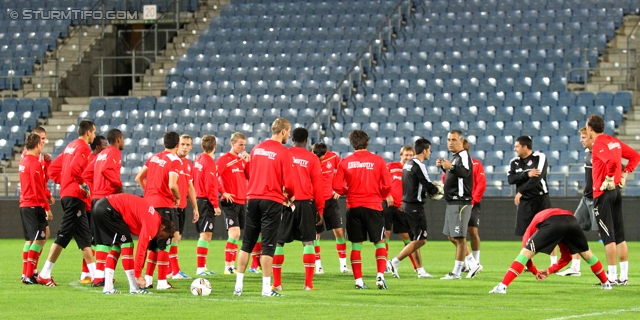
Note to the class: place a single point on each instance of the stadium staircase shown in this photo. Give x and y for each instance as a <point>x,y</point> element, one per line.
<point>154,82</point>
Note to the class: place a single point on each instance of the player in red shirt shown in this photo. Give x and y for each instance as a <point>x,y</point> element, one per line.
<point>67,169</point>
<point>159,180</point>
<point>551,227</point>
<point>34,208</point>
<point>364,179</point>
<point>332,220</point>
<point>479,187</point>
<point>45,161</point>
<point>118,217</point>
<point>608,178</point>
<point>185,183</point>
<point>205,180</point>
<point>233,173</point>
<point>391,207</point>
<point>300,223</point>
<point>270,185</point>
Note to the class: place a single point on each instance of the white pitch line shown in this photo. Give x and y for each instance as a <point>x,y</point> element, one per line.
<point>597,314</point>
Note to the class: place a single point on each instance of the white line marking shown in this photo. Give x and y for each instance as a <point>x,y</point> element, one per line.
<point>596,314</point>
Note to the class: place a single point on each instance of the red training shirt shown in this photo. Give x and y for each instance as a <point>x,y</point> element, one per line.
<point>270,172</point>
<point>143,221</point>
<point>106,177</point>
<point>183,181</point>
<point>205,179</point>
<point>45,170</point>
<point>395,172</point>
<point>69,167</point>
<point>32,190</point>
<point>159,167</point>
<point>607,154</point>
<point>233,173</point>
<point>479,182</point>
<point>328,165</point>
<point>364,179</point>
<point>308,182</point>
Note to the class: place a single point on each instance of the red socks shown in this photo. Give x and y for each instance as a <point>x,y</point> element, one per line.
<point>309,260</point>
<point>112,260</point>
<point>173,259</point>
<point>278,260</point>
<point>342,250</point>
<point>127,258</point>
<point>599,272</point>
<point>356,264</point>
<point>230,250</point>
<point>151,263</point>
<point>381,259</point>
<point>201,253</point>
<point>256,253</point>
<point>163,264</point>
<point>514,271</point>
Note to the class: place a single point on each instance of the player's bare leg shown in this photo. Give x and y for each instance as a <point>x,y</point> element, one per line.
<point>474,237</point>
<point>406,240</point>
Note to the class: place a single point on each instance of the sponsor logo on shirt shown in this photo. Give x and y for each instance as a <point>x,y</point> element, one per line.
<point>69,150</point>
<point>262,152</point>
<point>198,166</point>
<point>159,161</point>
<point>101,157</point>
<point>301,162</point>
<point>236,170</point>
<point>152,210</point>
<point>329,165</point>
<point>397,178</point>
<point>358,164</point>
<point>21,168</point>
<point>613,145</point>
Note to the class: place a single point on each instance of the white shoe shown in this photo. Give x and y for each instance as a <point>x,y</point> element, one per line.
<point>451,276</point>
<point>425,275</point>
<point>345,269</point>
<point>393,269</point>
<point>237,292</point>
<point>319,270</point>
<point>606,286</point>
<point>569,272</point>
<point>474,271</point>
<point>499,289</point>
<point>165,287</point>
<point>115,291</point>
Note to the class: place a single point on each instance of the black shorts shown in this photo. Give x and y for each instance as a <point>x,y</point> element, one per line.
<point>387,215</point>
<point>233,214</point>
<point>416,218</point>
<point>110,226</point>
<point>331,216</point>
<point>364,223</point>
<point>182,216</point>
<point>474,221</point>
<point>607,210</point>
<point>262,216</point>
<point>555,230</point>
<point>527,209</point>
<point>398,219</point>
<point>171,214</point>
<point>207,216</point>
<point>299,224</point>
<point>74,224</point>
<point>34,223</point>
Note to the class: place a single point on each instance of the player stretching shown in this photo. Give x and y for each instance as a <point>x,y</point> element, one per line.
<point>205,181</point>
<point>608,178</point>
<point>458,185</point>
<point>271,173</point>
<point>415,187</point>
<point>185,184</point>
<point>331,218</point>
<point>233,172</point>
<point>300,223</point>
<point>364,179</point>
<point>118,217</point>
<point>34,208</point>
<point>67,169</point>
<point>548,229</point>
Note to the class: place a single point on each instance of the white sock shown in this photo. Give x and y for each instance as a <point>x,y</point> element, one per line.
<point>266,284</point>
<point>457,268</point>
<point>239,281</point>
<point>613,273</point>
<point>575,264</point>
<point>476,255</point>
<point>359,282</point>
<point>46,270</point>
<point>108,279</point>
<point>84,275</point>
<point>421,270</point>
<point>554,259</point>
<point>133,285</point>
<point>92,270</point>
<point>148,279</point>
<point>97,273</point>
<point>624,270</point>
<point>318,263</point>
<point>502,286</point>
<point>162,283</point>
<point>395,262</point>
<point>199,270</point>
<point>471,261</point>
<point>343,262</point>
<point>380,275</point>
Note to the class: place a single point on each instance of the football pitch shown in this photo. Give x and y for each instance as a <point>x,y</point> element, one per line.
<point>335,297</point>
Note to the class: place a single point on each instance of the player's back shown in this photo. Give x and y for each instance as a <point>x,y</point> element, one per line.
<point>308,175</point>
<point>328,166</point>
<point>366,178</point>
<point>134,211</point>
<point>159,166</point>
<point>271,164</point>
<point>106,183</point>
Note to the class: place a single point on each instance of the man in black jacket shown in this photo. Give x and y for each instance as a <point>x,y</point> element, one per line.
<point>458,185</point>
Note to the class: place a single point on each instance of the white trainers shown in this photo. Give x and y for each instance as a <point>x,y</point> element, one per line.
<point>606,286</point>
<point>451,276</point>
<point>393,269</point>
<point>165,287</point>
<point>474,271</point>
<point>499,289</point>
<point>382,285</point>
<point>180,275</point>
<point>345,269</point>
<point>115,291</point>
<point>425,275</point>
<point>569,272</point>
<point>319,270</point>
<point>237,292</point>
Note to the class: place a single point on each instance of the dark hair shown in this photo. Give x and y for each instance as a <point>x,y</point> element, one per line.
<point>208,142</point>
<point>458,132</point>
<point>169,226</point>
<point>97,141</point>
<point>299,135</point>
<point>85,126</point>
<point>32,141</point>
<point>39,129</point>
<point>359,139</point>
<point>421,144</point>
<point>113,135</point>
<point>596,123</point>
<point>525,141</point>
<point>171,139</point>
<point>319,149</point>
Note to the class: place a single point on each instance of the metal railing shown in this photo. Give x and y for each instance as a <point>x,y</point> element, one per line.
<point>101,75</point>
<point>633,43</point>
<point>165,34</point>
<point>377,45</point>
<point>6,180</point>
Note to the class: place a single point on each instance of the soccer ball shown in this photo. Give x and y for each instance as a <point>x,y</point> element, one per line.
<point>200,287</point>
<point>440,194</point>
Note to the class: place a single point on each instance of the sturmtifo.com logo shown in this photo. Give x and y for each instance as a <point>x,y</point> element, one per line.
<point>72,14</point>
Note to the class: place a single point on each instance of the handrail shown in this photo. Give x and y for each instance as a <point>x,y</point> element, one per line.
<point>631,65</point>
<point>630,37</point>
<point>101,75</point>
<point>176,5</point>
<point>358,63</point>
<point>6,180</point>
<point>12,76</point>
<point>145,33</point>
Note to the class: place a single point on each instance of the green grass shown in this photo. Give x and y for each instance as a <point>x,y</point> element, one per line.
<point>335,298</point>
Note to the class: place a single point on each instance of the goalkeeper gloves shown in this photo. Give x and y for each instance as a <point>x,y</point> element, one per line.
<point>623,180</point>
<point>608,184</point>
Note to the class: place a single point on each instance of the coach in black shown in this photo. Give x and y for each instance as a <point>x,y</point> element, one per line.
<point>528,171</point>
<point>458,185</point>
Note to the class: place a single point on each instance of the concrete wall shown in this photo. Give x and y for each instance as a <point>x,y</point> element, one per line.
<point>497,219</point>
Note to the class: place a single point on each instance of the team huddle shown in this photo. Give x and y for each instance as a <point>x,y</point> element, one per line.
<point>278,195</point>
